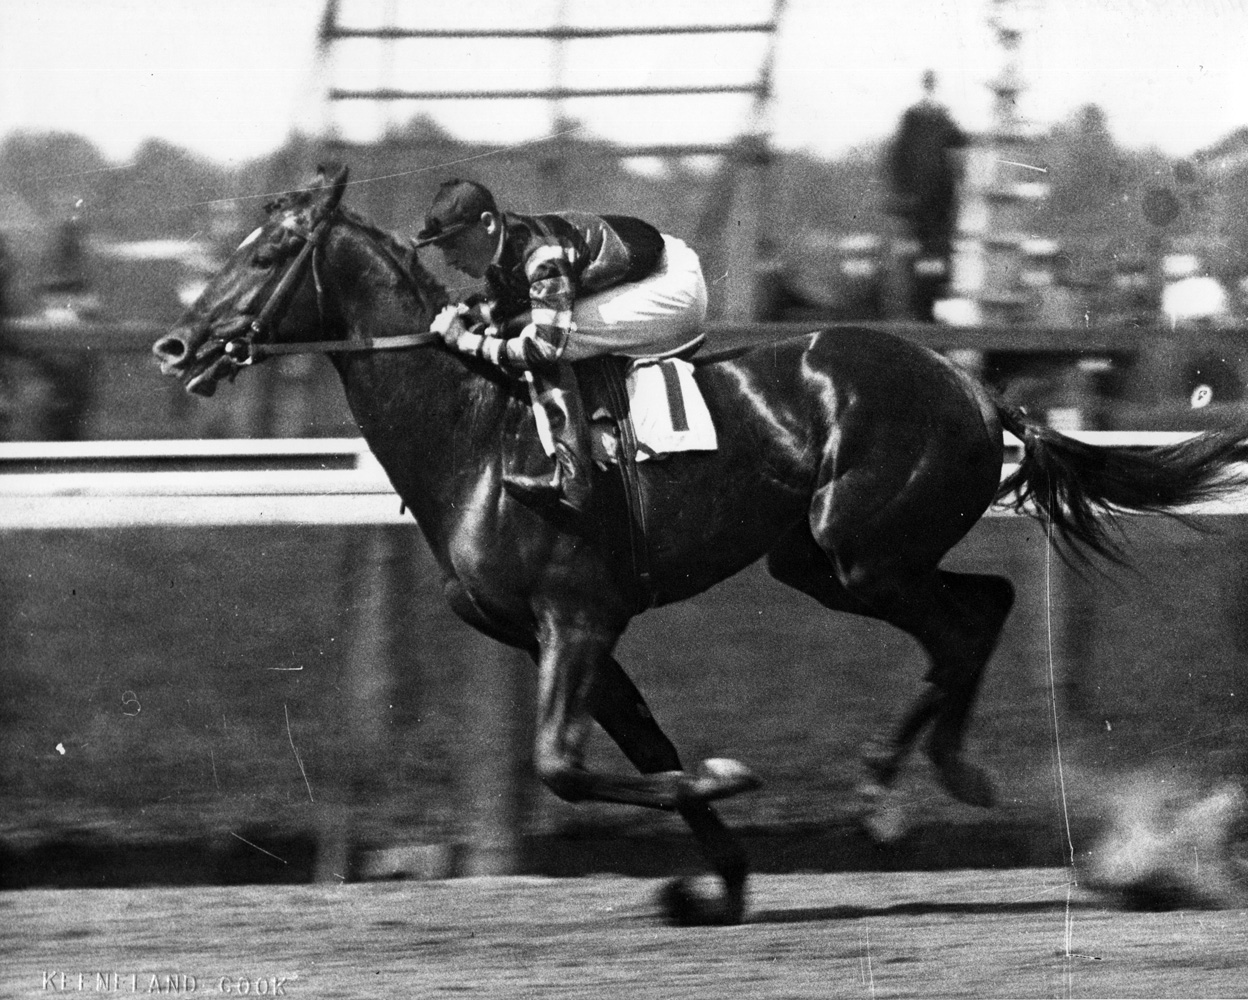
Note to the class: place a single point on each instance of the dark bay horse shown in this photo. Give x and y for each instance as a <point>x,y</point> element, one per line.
<point>852,461</point>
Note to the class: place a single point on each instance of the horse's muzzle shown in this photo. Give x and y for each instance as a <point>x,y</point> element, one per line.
<point>198,371</point>
<point>171,351</point>
<point>199,358</point>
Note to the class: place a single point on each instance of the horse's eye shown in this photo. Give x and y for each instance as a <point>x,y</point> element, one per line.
<point>272,250</point>
<point>251,237</point>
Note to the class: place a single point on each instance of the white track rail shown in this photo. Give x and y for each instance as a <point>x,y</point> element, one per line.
<point>311,481</point>
<point>116,484</point>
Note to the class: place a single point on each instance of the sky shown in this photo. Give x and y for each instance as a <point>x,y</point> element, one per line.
<point>230,79</point>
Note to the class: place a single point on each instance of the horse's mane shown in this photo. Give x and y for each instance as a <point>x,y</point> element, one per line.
<point>400,251</point>
<point>402,254</point>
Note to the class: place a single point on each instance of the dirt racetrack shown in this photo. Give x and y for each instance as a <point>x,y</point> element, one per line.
<point>1011,933</point>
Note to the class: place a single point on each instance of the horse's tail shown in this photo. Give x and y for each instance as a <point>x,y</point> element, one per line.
<point>1079,487</point>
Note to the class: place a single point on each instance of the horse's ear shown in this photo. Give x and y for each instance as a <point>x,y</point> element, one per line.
<point>336,183</point>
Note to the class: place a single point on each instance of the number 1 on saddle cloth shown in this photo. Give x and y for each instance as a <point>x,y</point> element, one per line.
<point>668,412</point>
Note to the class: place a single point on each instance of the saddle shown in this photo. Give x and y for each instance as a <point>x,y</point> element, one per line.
<point>639,409</point>
<point>645,408</point>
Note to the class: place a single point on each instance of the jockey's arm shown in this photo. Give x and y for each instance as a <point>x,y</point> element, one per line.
<point>513,346</point>
<point>541,339</point>
<point>514,326</point>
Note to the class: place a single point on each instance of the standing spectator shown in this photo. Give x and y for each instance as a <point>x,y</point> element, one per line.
<point>55,381</point>
<point>923,175</point>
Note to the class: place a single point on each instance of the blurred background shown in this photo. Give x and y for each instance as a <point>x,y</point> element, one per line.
<point>1052,192</point>
<point>1093,178</point>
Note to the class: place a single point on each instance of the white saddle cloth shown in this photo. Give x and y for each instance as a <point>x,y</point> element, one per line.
<point>669,413</point>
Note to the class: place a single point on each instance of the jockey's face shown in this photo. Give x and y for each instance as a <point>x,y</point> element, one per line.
<point>471,250</point>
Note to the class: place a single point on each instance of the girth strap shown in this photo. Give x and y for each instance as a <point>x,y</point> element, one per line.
<point>608,372</point>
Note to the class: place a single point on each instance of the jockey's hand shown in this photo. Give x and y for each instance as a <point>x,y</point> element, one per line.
<point>480,307</point>
<point>449,324</point>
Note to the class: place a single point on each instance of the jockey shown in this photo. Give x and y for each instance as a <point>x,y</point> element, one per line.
<point>577,286</point>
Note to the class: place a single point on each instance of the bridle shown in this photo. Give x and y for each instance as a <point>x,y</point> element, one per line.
<point>255,342</point>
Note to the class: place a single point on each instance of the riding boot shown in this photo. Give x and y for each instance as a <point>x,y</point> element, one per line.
<point>560,398</point>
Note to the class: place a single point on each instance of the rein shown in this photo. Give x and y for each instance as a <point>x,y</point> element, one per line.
<point>256,345</point>
<point>259,351</point>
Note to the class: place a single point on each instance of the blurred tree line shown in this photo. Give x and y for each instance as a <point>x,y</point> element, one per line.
<point>1108,206</point>
<point>1110,211</point>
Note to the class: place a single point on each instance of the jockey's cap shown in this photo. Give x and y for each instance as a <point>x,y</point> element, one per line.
<point>457,205</point>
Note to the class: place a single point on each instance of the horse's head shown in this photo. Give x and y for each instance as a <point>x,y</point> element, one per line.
<point>248,299</point>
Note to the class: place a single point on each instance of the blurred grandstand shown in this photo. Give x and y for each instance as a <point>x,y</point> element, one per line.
<point>1129,260</point>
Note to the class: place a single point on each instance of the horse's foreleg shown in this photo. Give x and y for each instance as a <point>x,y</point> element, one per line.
<point>616,705</point>
<point>568,668</point>
<point>619,708</point>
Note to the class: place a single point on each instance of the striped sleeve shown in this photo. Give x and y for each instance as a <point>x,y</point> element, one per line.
<point>512,354</point>
<point>552,291</point>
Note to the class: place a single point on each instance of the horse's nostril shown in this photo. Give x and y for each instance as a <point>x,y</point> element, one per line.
<point>169,348</point>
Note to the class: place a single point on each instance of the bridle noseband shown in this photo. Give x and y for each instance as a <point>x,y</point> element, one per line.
<point>255,343</point>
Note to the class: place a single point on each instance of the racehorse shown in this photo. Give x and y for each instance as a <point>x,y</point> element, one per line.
<point>849,459</point>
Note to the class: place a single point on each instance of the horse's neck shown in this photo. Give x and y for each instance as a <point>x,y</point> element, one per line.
<point>432,421</point>
<point>377,295</point>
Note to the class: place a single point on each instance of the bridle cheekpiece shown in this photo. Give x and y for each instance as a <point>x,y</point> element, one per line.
<point>255,342</point>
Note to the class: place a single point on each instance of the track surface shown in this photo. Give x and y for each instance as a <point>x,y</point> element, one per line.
<point>1017,933</point>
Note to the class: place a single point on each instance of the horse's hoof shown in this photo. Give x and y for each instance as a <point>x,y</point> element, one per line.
<point>887,822</point>
<point>719,778</point>
<point>870,791</point>
<point>965,781</point>
<point>684,907</point>
<point>883,816</point>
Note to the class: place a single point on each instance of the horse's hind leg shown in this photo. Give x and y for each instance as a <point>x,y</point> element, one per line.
<point>883,758</point>
<point>957,618</point>
<point>616,705</point>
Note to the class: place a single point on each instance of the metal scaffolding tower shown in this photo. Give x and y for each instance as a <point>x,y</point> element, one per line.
<point>1002,187</point>
<point>747,152</point>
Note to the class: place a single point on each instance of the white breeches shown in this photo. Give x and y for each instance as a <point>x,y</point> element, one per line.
<point>653,316</point>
